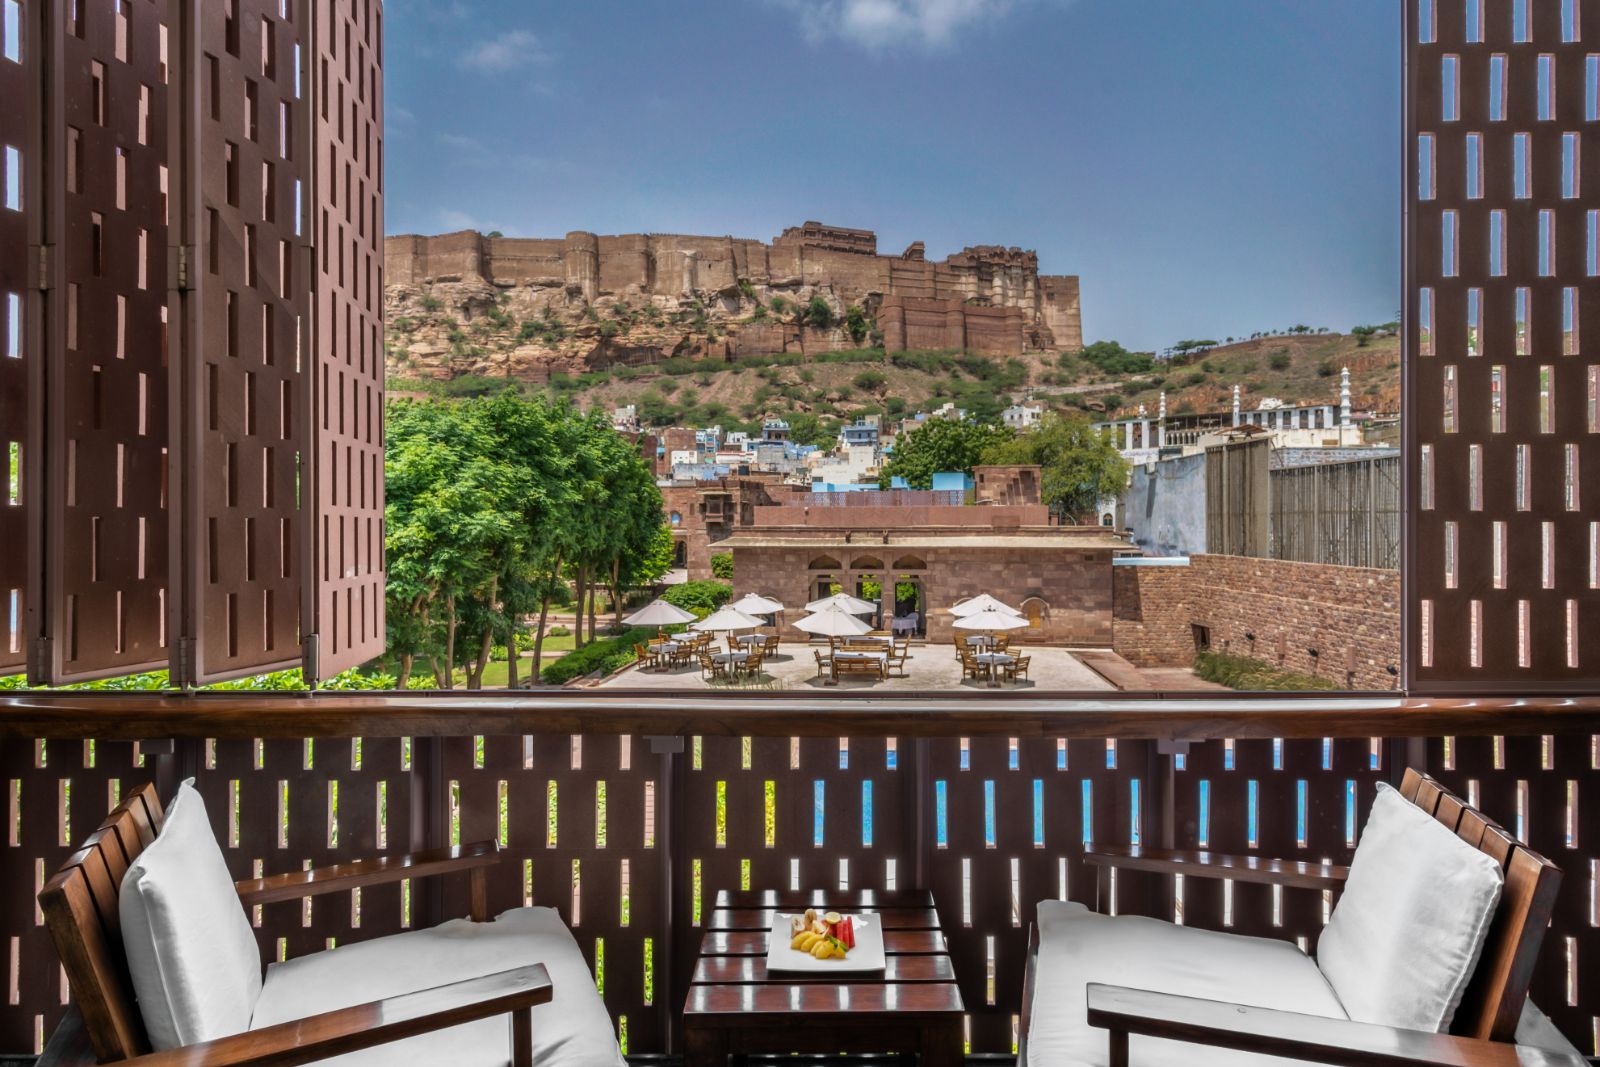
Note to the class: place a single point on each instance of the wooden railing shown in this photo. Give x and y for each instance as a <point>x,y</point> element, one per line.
<point>628,813</point>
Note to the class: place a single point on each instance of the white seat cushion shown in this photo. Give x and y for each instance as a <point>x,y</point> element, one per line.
<point>573,1030</point>
<point>191,953</point>
<point>1077,947</point>
<point>1405,937</point>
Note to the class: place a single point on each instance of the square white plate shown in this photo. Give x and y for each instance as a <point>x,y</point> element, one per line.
<point>866,957</point>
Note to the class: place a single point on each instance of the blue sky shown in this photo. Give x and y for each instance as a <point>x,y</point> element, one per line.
<point>1209,167</point>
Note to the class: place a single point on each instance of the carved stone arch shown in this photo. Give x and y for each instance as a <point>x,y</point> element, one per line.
<point>910,563</point>
<point>866,563</point>
<point>824,563</point>
<point>1037,611</point>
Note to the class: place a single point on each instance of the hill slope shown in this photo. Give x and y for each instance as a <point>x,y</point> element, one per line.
<point>470,343</point>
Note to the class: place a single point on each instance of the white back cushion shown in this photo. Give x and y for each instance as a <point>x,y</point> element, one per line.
<point>192,956</point>
<point>1405,937</point>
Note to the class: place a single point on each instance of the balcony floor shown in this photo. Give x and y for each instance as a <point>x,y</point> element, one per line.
<point>927,667</point>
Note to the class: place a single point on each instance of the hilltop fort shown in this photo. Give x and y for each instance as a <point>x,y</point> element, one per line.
<point>678,295</point>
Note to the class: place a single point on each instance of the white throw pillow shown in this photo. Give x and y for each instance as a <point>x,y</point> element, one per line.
<point>1405,937</point>
<point>191,953</point>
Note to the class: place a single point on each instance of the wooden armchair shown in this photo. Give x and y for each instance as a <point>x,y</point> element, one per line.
<point>710,668</point>
<point>1483,1025</point>
<point>1018,668</point>
<point>104,1025</point>
<point>647,659</point>
<point>824,663</point>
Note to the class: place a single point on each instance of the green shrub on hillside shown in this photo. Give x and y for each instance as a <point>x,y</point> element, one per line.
<point>1279,360</point>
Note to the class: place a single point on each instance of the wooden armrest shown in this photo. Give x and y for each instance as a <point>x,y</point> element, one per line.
<point>1293,873</point>
<point>345,876</point>
<point>1216,1024</point>
<point>335,1033</point>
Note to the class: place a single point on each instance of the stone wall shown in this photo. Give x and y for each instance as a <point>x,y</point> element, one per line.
<point>909,322</point>
<point>1011,305</point>
<point>1349,615</point>
<point>1068,593</point>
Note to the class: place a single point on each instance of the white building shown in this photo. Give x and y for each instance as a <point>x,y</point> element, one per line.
<point>1022,416</point>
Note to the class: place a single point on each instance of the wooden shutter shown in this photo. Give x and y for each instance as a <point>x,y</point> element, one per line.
<point>1502,347</point>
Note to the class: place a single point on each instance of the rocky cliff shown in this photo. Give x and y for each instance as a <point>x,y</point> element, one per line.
<point>469,303</point>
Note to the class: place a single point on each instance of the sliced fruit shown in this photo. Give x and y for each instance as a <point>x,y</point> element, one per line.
<point>797,925</point>
<point>846,932</point>
<point>798,941</point>
<point>832,918</point>
<point>823,950</point>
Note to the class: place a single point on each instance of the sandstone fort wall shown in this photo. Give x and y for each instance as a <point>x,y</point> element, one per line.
<point>987,298</point>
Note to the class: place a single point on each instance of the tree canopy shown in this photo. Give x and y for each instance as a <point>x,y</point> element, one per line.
<point>940,445</point>
<point>492,504</point>
<point>1080,464</point>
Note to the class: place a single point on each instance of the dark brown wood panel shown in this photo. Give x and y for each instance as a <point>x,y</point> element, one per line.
<point>744,970</point>
<point>99,576</point>
<point>343,587</point>
<point>21,377</point>
<point>131,716</point>
<point>242,317</point>
<point>761,918</point>
<point>1502,351</point>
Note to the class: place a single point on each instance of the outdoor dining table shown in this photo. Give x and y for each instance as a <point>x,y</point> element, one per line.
<point>992,660</point>
<point>980,641</point>
<point>882,659</point>
<point>665,648</point>
<point>751,639</point>
<point>730,657</point>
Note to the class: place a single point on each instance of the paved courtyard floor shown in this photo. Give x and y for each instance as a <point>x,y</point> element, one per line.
<point>927,667</point>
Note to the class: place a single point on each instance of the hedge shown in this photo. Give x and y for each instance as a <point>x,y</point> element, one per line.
<point>1242,672</point>
<point>606,655</point>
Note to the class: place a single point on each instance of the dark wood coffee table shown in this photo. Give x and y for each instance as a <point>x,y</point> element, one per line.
<point>735,1006</point>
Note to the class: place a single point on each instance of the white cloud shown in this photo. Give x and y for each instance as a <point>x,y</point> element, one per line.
<point>515,49</point>
<point>889,24</point>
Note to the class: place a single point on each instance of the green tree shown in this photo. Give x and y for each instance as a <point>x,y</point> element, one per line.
<point>722,566</point>
<point>1079,464</point>
<point>940,445</point>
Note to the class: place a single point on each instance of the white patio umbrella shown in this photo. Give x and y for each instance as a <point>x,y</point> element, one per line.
<point>726,619</point>
<point>755,604</point>
<point>659,613</point>
<point>990,621</point>
<point>845,602</point>
<point>834,621</point>
<point>982,603</point>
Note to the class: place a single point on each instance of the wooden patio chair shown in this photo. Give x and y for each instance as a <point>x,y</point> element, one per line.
<point>184,942</point>
<point>1258,996</point>
<point>824,663</point>
<point>970,667</point>
<point>647,660</point>
<point>710,668</point>
<point>1017,668</point>
<point>897,659</point>
<point>770,647</point>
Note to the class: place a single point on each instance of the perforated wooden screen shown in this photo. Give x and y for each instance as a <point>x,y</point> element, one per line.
<point>102,220</point>
<point>158,253</point>
<point>1502,411</point>
<point>17,153</point>
<point>345,576</point>
<point>242,363</point>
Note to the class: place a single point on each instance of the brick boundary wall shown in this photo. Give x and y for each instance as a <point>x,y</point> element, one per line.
<point>1350,615</point>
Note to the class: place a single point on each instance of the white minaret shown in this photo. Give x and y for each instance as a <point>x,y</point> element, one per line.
<point>1161,429</point>
<point>1236,405</point>
<point>1344,398</point>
